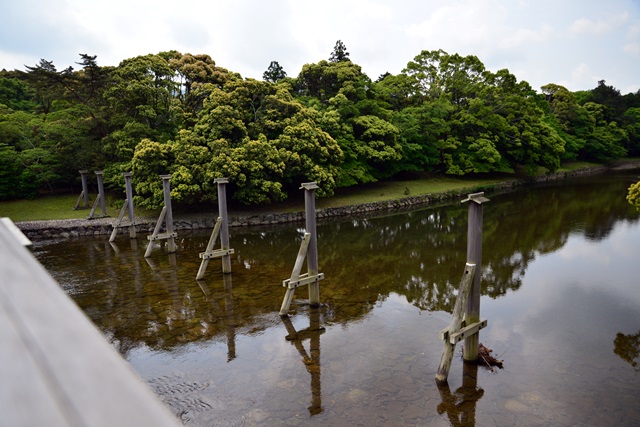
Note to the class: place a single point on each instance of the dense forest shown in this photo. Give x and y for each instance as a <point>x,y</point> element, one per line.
<point>182,114</point>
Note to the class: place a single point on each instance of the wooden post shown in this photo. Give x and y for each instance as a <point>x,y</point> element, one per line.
<point>129,193</point>
<point>84,195</point>
<point>312,250</point>
<point>456,322</point>
<point>100,199</point>
<point>169,218</point>
<point>308,249</point>
<point>127,207</point>
<point>474,256</point>
<point>166,216</point>
<point>224,227</point>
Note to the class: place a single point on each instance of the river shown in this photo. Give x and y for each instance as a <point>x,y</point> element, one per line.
<point>560,291</point>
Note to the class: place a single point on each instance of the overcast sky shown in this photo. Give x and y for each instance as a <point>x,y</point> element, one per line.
<point>574,43</point>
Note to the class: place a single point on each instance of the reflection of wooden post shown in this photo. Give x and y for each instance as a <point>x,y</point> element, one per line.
<point>455,324</point>
<point>228,315</point>
<point>461,406</point>
<point>99,199</point>
<point>221,228</point>
<point>474,256</point>
<point>167,216</point>
<point>309,249</point>
<point>312,360</point>
<point>314,370</point>
<point>84,195</point>
<point>127,207</point>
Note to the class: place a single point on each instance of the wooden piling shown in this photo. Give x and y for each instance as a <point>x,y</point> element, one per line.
<point>100,199</point>
<point>312,250</point>
<point>166,216</point>
<point>308,249</point>
<point>455,324</point>
<point>220,229</point>
<point>474,256</point>
<point>224,227</point>
<point>129,194</point>
<point>128,208</point>
<point>84,194</point>
<point>166,186</point>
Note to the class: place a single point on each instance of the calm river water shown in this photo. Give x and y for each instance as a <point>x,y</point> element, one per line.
<point>560,289</point>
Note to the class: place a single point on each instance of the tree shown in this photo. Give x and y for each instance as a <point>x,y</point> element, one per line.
<point>607,141</point>
<point>274,73</point>
<point>196,76</point>
<point>252,132</point>
<point>16,94</point>
<point>339,53</point>
<point>10,170</point>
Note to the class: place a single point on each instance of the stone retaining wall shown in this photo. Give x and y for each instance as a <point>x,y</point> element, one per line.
<point>77,228</point>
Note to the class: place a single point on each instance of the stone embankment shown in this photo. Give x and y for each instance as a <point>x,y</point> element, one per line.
<point>76,228</point>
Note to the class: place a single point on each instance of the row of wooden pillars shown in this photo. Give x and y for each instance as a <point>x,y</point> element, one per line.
<point>465,322</point>
<point>308,248</point>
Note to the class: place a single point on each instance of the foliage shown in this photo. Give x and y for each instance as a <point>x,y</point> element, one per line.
<point>183,114</point>
<point>339,53</point>
<point>274,73</point>
<point>634,195</point>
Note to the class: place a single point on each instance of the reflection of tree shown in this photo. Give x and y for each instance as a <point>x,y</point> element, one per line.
<point>628,348</point>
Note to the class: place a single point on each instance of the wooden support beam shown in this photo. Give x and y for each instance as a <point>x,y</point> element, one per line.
<point>463,332</point>
<point>456,320</point>
<point>303,279</point>
<point>118,223</point>
<point>156,231</point>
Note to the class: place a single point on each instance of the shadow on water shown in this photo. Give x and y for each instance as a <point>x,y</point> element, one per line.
<point>558,288</point>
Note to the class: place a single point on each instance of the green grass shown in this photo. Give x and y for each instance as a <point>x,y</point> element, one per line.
<point>392,190</point>
<point>572,166</point>
<point>61,207</point>
<point>55,207</point>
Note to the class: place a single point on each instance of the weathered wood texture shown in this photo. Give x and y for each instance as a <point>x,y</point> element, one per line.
<point>312,251</point>
<point>456,321</point>
<point>221,184</point>
<point>56,368</point>
<point>474,256</point>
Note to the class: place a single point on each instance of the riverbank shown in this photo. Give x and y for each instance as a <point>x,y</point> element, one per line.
<point>72,228</point>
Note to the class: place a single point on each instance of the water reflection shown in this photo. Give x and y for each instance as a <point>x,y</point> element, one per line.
<point>559,286</point>
<point>311,360</point>
<point>628,348</point>
<point>460,406</point>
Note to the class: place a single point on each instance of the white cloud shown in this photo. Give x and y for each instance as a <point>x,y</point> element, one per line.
<point>381,35</point>
<point>632,48</point>
<point>599,26</point>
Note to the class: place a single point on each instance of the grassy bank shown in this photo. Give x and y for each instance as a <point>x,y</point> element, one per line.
<point>61,207</point>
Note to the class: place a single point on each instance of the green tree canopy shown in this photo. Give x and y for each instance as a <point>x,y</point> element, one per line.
<point>274,73</point>
<point>339,53</point>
